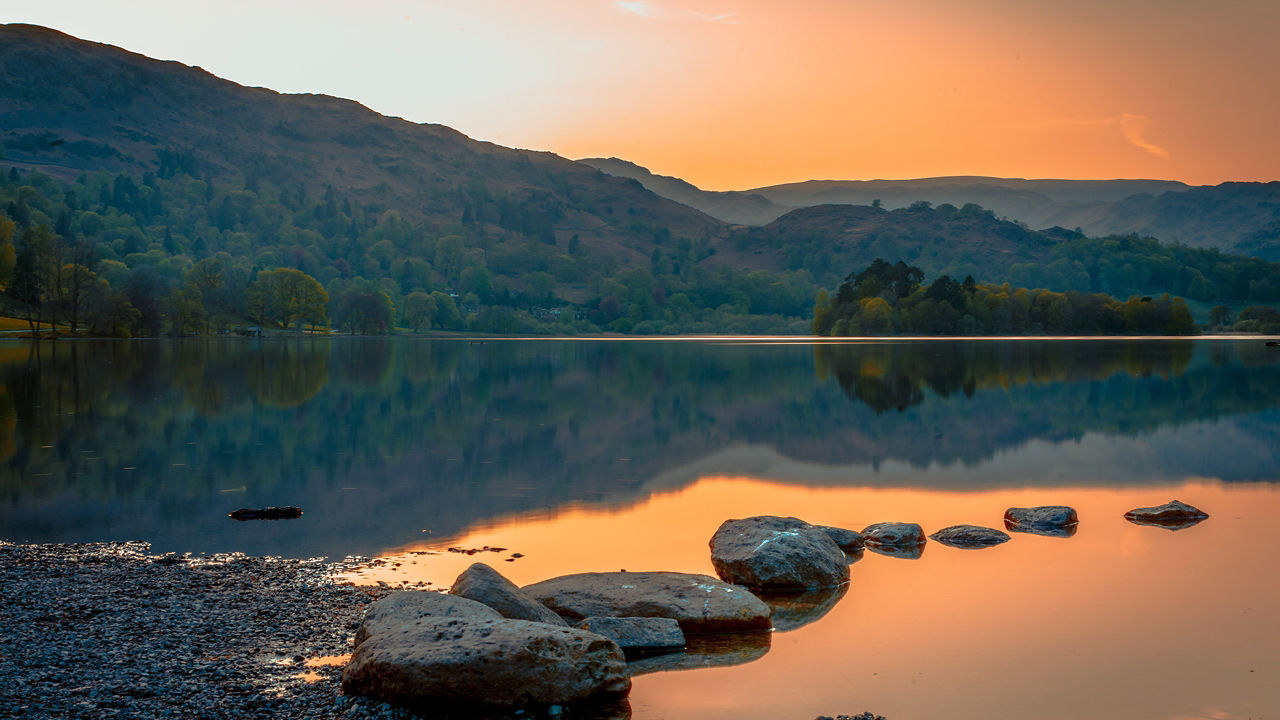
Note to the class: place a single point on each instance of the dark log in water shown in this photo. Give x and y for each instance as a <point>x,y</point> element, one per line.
<point>267,513</point>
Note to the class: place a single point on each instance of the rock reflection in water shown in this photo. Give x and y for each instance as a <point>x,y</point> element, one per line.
<point>1064,531</point>
<point>1168,523</point>
<point>902,552</point>
<point>795,610</point>
<point>708,651</point>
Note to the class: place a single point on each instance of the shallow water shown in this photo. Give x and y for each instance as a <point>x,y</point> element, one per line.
<point>582,455</point>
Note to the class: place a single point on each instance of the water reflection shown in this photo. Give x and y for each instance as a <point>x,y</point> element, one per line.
<point>386,441</point>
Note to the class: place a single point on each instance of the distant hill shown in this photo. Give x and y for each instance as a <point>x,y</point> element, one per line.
<point>1234,217</point>
<point>739,208</point>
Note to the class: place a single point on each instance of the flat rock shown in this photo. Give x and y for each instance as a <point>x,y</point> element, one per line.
<point>452,661</point>
<point>893,534</point>
<point>486,585</point>
<point>402,609</point>
<point>700,603</point>
<point>1050,520</point>
<point>849,541</point>
<point>1173,515</point>
<point>638,634</point>
<point>970,536</point>
<point>776,553</point>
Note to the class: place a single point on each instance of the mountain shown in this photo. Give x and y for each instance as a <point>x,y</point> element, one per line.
<point>69,106</point>
<point>739,208</point>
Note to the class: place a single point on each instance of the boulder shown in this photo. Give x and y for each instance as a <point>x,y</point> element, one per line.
<point>452,662</point>
<point>486,585</point>
<point>638,634</point>
<point>1049,520</point>
<point>893,534</point>
<point>412,606</point>
<point>700,603</point>
<point>849,541</point>
<point>777,553</point>
<point>1173,515</point>
<point>970,536</point>
<point>708,651</point>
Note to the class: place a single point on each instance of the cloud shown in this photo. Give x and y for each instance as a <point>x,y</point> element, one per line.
<point>646,9</point>
<point>1134,129</point>
<point>635,7</point>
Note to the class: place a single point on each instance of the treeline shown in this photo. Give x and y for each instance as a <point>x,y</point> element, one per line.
<point>172,252</point>
<point>887,299</point>
<point>969,240</point>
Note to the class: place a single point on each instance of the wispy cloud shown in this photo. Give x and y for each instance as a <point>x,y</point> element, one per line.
<point>1134,129</point>
<point>645,9</point>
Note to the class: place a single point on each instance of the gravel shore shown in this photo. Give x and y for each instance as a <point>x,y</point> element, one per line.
<point>107,630</point>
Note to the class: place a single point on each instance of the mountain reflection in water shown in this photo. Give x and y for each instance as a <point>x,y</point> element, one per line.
<point>386,442</point>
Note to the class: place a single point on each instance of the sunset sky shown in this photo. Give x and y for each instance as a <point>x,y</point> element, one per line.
<point>733,94</point>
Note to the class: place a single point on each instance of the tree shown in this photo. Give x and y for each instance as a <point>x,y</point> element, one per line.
<point>288,297</point>
<point>419,310</point>
<point>1220,316</point>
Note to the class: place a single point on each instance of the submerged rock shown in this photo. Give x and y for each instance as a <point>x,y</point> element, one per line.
<point>893,534</point>
<point>457,662</point>
<point>775,553</point>
<point>486,585</point>
<point>404,609</point>
<point>970,536</point>
<point>1173,515</point>
<point>1048,520</point>
<point>796,609</point>
<point>638,634</point>
<point>708,651</point>
<point>700,603</point>
<point>850,541</point>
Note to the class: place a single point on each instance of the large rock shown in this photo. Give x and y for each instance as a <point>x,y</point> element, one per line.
<point>777,553</point>
<point>700,603</point>
<point>403,609</point>
<point>1173,515</point>
<point>850,541</point>
<point>486,585</point>
<point>1050,520</point>
<point>638,634</point>
<point>893,534</point>
<point>970,536</point>
<point>451,661</point>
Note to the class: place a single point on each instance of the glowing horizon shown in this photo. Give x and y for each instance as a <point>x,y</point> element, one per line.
<point>736,94</point>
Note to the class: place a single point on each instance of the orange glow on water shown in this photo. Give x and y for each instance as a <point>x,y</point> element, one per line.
<point>1119,621</point>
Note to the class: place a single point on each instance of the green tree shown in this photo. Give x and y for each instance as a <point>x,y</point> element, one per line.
<point>418,310</point>
<point>289,298</point>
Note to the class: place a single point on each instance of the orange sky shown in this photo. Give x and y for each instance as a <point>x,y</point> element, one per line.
<point>732,94</point>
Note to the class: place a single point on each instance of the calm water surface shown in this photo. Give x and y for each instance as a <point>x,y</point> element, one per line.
<point>589,455</point>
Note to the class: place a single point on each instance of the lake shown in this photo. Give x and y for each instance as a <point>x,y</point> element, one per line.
<point>583,455</point>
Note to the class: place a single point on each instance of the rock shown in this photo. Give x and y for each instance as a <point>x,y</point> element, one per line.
<point>1173,515</point>
<point>893,534</point>
<point>970,536</point>
<point>849,541</point>
<point>708,651</point>
<point>486,585</point>
<point>267,513</point>
<point>451,662</point>
<point>1049,520</point>
<point>700,603</point>
<point>777,553</point>
<point>408,607</point>
<point>793,610</point>
<point>638,634</point>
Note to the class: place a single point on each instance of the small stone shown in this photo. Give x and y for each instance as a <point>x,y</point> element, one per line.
<point>850,541</point>
<point>486,585</point>
<point>1049,520</point>
<point>893,534</point>
<point>970,536</point>
<point>1173,515</point>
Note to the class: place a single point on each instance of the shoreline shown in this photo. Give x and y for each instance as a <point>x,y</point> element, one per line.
<point>100,630</point>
